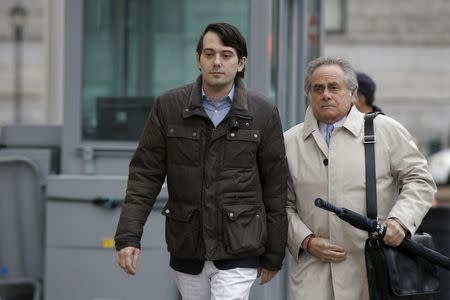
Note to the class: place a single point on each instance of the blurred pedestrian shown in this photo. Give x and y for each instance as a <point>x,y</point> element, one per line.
<point>366,94</point>
<point>326,159</point>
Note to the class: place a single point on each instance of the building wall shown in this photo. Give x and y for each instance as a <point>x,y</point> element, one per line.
<point>405,46</point>
<point>399,21</point>
<point>34,78</point>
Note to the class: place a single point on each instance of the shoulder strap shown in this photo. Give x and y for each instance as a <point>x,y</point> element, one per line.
<point>369,149</point>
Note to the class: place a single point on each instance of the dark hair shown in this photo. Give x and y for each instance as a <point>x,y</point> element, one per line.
<point>230,37</point>
<point>366,87</point>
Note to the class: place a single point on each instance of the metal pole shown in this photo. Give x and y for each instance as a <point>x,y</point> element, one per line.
<point>17,98</point>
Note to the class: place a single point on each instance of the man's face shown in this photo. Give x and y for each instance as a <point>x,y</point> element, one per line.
<point>218,63</point>
<point>329,95</point>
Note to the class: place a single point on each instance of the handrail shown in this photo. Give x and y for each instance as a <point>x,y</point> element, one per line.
<point>38,190</point>
<point>28,162</point>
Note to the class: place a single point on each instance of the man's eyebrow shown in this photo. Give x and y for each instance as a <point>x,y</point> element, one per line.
<point>226,51</point>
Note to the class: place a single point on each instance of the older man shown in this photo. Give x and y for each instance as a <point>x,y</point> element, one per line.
<point>326,159</point>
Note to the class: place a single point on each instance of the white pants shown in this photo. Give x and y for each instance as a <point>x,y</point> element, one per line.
<point>215,284</point>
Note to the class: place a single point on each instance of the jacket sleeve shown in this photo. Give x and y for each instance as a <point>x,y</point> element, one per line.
<point>297,230</point>
<point>147,171</point>
<point>273,173</point>
<point>416,184</point>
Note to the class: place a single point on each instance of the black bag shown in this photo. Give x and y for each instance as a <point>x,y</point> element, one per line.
<point>392,274</point>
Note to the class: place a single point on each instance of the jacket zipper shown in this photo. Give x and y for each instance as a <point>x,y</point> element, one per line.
<point>202,204</point>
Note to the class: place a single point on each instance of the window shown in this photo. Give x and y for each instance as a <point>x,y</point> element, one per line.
<point>134,50</point>
<point>334,16</point>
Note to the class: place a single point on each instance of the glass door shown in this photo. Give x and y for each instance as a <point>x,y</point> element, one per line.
<point>119,55</point>
<point>136,49</point>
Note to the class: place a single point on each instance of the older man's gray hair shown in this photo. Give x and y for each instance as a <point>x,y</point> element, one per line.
<point>349,72</point>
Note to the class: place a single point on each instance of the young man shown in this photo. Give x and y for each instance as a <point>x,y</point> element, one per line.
<point>326,160</point>
<point>221,147</point>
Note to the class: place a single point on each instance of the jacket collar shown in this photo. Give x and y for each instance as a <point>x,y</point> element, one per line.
<point>194,104</point>
<point>354,122</point>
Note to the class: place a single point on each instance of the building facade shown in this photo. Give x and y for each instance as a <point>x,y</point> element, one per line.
<point>31,69</point>
<point>404,46</point>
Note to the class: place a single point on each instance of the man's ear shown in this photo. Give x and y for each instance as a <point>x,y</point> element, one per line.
<point>197,59</point>
<point>242,63</point>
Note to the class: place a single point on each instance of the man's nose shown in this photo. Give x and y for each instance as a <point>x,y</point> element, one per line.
<point>217,60</point>
<point>326,94</point>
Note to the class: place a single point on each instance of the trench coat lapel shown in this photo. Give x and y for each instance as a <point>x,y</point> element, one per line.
<point>312,131</point>
<point>353,124</point>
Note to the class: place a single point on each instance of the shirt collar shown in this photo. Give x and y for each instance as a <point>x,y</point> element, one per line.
<point>353,122</point>
<point>323,126</point>
<point>229,96</point>
<point>339,123</point>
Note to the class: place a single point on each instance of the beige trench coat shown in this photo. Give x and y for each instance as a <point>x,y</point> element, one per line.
<point>337,175</point>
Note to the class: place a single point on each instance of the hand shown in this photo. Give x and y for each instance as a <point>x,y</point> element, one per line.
<point>326,251</point>
<point>394,233</point>
<point>266,275</point>
<point>127,258</point>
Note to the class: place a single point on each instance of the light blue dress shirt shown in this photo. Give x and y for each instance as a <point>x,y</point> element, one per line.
<point>217,111</point>
<point>323,127</point>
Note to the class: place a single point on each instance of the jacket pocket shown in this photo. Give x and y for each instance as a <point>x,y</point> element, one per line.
<point>241,147</point>
<point>244,227</point>
<point>182,230</point>
<point>183,145</point>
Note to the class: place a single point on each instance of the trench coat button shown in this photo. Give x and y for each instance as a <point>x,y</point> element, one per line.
<point>247,124</point>
<point>325,161</point>
<point>187,109</point>
<point>171,130</point>
<point>232,134</point>
<point>255,135</point>
<point>257,215</point>
<point>167,211</point>
<point>194,133</point>
<point>231,214</point>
